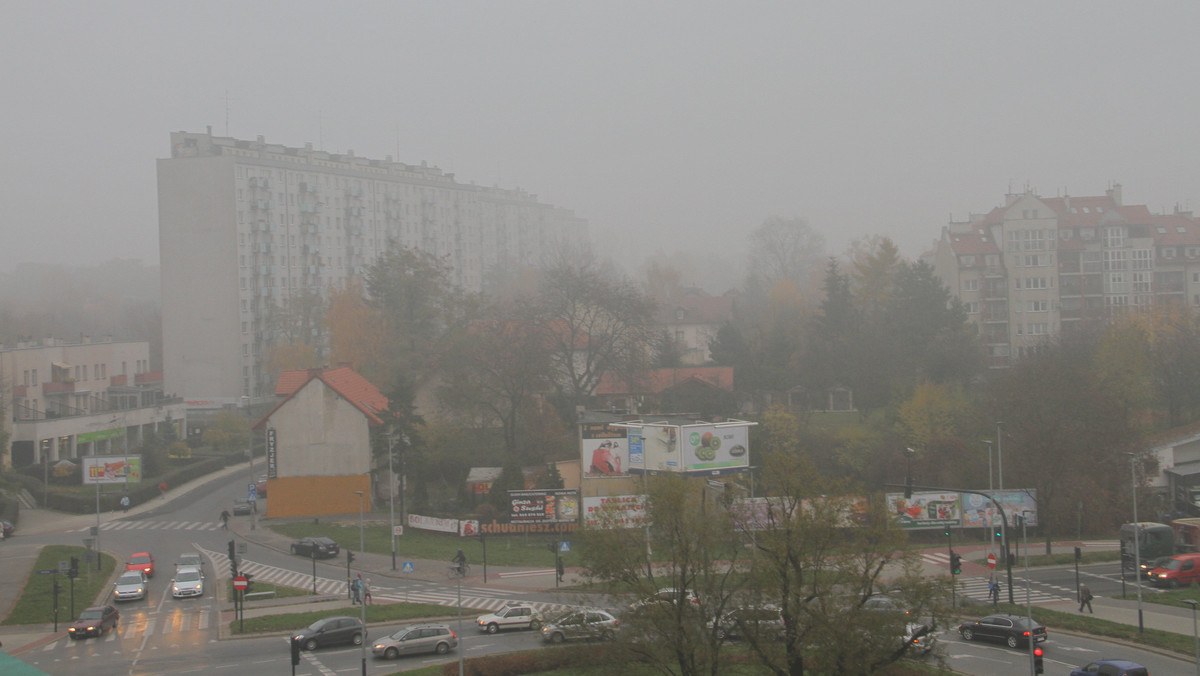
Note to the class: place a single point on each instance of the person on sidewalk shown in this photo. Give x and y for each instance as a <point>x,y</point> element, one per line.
<point>559,569</point>
<point>124,503</point>
<point>225,519</point>
<point>1085,598</point>
<point>366,591</point>
<point>356,590</point>
<point>994,592</point>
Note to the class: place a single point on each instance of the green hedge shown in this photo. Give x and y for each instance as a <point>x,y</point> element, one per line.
<point>84,502</point>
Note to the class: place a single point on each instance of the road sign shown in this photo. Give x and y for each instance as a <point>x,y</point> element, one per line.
<point>252,496</point>
<point>397,530</point>
<point>47,572</point>
<point>253,488</point>
<point>991,560</point>
<point>64,566</point>
<point>407,567</point>
<point>564,547</point>
<point>239,583</point>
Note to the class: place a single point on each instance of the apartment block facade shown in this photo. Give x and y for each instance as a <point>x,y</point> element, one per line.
<point>1039,267</point>
<point>247,227</point>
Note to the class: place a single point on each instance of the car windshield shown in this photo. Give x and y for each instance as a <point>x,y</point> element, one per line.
<point>317,625</point>
<point>138,560</point>
<point>1172,564</point>
<point>187,576</point>
<point>91,615</point>
<point>130,578</point>
<point>189,560</point>
<point>399,636</point>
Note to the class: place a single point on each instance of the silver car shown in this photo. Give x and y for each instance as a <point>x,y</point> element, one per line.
<point>189,560</point>
<point>586,623</point>
<point>131,586</point>
<point>514,616</point>
<point>421,638</point>
<point>188,582</point>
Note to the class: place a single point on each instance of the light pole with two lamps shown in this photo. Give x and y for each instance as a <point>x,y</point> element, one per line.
<point>362,604</point>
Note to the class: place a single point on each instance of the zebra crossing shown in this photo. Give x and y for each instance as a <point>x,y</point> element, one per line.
<point>976,588</point>
<point>134,626</point>
<point>478,598</point>
<point>154,525</point>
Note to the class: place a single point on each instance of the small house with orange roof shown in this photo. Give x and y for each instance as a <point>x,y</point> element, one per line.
<point>319,442</point>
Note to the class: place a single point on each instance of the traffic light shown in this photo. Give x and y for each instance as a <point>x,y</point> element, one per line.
<point>955,563</point>
<point>1037,661</point>
<point>295,650</point>
<point>349,557</point>
<point>1078,553</point>
<point>249,583</point>
<point>73,571</point>
<point>232,559</point>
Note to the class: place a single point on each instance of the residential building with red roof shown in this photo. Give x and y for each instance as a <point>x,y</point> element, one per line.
<point>692,318</point>
<point>1038,267</point>
<point>319,442</point>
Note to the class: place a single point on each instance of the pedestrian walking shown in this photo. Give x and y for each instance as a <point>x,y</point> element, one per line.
<point>225,519</point>
<point>559,569</point>
<point>162,488</point>
<point>366,590</point>
<point>124,503</point>
<point>994,592</point>
<point>356,590</point>
<point>1085,598</point>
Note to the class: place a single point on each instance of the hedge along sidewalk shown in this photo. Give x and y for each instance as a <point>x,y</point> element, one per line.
<point>36,604</point>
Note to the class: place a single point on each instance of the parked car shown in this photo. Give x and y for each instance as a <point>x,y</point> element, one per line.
<point>188,582</point>
<point>141,561</point>
<point>260,486</point>
<point>6,529</point>
<point>1180,570</point>
<point>319,547</point>
<point>190,560</point>
<point>512,616</point>
<point>242,507</point>
<point>1111,668</point>
<point>421,638</point>
<point>763,622</point>
<point>131,586</point>
<point>886,603</point>
<point>585,623</point>
<point>667,595</point>
<point>94,622</point>
<point>1012,630</point>
<point>331,631</point>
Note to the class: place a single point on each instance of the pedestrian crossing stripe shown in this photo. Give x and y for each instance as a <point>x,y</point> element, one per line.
<point>976,588</point>
<point>131,628</point>
<point>154,525</point>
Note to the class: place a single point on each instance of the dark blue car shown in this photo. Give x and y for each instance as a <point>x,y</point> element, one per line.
<point>1111,668</point>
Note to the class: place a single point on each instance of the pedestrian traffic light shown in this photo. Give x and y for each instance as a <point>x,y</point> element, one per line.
<point>349,557</point>
<point>955,563</point>
<point>1037,661</point>
<point>73,571</point>
<point>249,583</point>
<point>1078,553</point>
<point>295,650</point>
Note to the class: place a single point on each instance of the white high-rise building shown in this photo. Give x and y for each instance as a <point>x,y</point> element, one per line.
<point>247,226</point>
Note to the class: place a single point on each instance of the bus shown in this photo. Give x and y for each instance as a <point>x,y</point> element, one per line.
<point>1155,539</point>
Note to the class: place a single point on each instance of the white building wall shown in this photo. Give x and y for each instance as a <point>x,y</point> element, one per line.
<point>319,433</point>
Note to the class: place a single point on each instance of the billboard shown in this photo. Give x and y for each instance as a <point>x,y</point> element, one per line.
<point>977,509</point>
<point>615,511</point>
<point>606,450</point>
<point>119,469</point>
<point>551,505</point>
<point>713,447</point>
<point>961,510</point>
<point>660,448</point>
<point>925,510</point>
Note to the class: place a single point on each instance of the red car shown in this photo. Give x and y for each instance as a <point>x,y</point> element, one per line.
<point>141,561</point>
<point>94,622</point>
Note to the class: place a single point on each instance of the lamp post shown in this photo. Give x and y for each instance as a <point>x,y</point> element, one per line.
<point>391,497</point>
<point>362,605</point>
<point>1028,592</point>
<point>1000,454</point>
<point>1137,540</point>
<point>253,483</point>
<point>1195,634</point>
<point>991,526</point>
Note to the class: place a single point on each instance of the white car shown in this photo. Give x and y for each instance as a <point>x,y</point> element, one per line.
<point>188,582</point>
<point>514,616</point>
<point>131,586</point>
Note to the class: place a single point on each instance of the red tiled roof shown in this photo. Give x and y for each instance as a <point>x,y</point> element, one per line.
<point>975,243</point>
<point>344,381</point>
<point>1180,230</point>
<point>657,380</point>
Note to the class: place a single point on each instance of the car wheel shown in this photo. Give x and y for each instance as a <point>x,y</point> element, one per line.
<point>1013,642</point>
<point>310,644</point>
<point>442,648</point>
<point>608,636</point>
<point>556,637</point>
<point>391,653</point>
<point>356,639</point>
<point>968,635</point>
<point>493,628</point>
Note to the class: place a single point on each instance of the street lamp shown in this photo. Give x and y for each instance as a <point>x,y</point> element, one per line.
<point>991,526</point>
<point>391,497</point>
<point>362,603</point>
<point>1195,634</point>
<point>253,483</point>
<point>1028,591</point>
<point>1000,453</point>
<point>1137,539</point>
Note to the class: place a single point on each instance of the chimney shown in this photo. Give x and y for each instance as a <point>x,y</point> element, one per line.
<point>1114,194</point>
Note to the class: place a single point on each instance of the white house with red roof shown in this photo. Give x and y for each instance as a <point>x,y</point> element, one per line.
<point>319,442</point>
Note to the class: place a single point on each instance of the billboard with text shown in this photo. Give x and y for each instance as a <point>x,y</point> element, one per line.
<point>117,469</point>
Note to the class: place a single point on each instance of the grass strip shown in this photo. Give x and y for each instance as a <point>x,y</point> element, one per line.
<point>390,612</point>
<point>36,604</point>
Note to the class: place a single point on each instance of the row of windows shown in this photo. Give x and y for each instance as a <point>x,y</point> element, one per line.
<point>29,377</point>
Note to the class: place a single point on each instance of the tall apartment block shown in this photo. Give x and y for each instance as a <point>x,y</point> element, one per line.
<point>1042,267</point>
<point>247,226</point>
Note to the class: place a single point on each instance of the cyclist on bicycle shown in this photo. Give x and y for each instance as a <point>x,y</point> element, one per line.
<point>460,560</point>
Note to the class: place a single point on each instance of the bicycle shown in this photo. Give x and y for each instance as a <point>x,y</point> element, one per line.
<point>454,571</point>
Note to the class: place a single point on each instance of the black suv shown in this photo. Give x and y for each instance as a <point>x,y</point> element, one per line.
<point>330,631</point>
<point>319,547</point>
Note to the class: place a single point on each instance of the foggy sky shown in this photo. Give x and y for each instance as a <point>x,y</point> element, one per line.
<point>669,126</point>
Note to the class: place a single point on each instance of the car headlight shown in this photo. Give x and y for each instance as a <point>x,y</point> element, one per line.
<point>1162,576</point>
<point>90,628</point>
